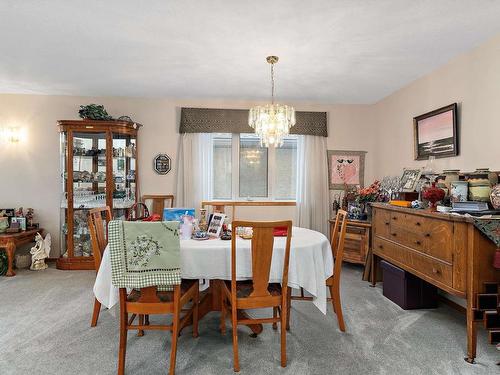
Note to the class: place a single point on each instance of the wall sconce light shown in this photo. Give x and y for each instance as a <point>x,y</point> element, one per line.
<point>11,135</point>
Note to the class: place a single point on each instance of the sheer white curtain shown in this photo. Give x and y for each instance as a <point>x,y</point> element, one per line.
<point>312,183</point>
<point>194,169</point>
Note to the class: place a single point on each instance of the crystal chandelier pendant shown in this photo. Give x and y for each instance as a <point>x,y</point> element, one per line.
<point>272,122</point>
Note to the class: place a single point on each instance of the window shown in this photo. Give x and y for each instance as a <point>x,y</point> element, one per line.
<point>221,166</point>
<point>242,169</point>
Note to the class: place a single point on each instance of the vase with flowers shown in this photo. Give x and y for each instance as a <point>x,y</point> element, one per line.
<point>368,195</point>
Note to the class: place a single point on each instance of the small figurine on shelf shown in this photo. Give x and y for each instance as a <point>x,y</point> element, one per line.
<point>19,212</point>
<point>40,251</point>
<point>29,217</point>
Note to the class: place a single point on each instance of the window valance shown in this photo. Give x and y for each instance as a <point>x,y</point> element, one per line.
<point>210,120</point>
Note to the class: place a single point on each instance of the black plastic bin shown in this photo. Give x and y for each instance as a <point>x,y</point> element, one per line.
<point>407,290</point>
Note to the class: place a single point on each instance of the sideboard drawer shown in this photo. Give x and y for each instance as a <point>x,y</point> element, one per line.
<point>432,268</point>
<point>431,237</point>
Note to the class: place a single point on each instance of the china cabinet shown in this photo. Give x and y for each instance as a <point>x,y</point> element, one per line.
<point>99,168</point>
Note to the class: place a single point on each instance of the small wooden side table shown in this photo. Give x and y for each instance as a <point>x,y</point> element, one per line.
<point>10,242</point>
<point>357,240</point>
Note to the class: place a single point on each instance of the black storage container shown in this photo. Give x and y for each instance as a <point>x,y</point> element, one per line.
<point>407,290</point>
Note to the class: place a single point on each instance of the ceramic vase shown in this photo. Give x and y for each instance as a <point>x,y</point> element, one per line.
<point>451,175</point>
<point>480,185</point>
<point>495,197</point>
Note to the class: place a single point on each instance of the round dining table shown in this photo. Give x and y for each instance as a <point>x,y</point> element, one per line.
<point>311,263</point>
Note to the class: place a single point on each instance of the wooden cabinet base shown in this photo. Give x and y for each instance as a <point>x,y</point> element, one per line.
<point>75,263</point>
<point>442,249</point>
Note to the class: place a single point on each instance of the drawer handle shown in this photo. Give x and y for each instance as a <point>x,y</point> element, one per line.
<point>394,234</point>
<point>418,223</point>
<point>380,247</point>
<point>394,218</point>
<point>386,223</point>
<point>436,271</point>
<point>427,235</point>
<point>418,242</point>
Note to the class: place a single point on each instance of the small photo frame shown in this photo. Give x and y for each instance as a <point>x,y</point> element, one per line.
<point>21,221</point>
<point>215,225</point>
<point>410,178</point>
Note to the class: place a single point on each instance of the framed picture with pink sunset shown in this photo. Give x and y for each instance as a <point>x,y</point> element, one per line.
<point>345,168</point>
<point>436,133</point>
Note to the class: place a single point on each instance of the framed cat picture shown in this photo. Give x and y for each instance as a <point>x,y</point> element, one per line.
<point>345,168</point>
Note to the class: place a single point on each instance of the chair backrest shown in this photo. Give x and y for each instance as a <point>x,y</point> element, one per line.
<point>337,242</point>
<point>158,203</point>
<point>98,220</point>
<point>262,252</point>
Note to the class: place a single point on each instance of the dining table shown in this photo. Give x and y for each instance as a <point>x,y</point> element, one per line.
<point>310,264</point>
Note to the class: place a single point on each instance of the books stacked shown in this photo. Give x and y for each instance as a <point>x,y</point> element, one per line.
<point>470,206</point>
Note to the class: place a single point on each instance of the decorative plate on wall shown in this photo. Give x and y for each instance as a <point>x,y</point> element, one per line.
<point>162,164</point>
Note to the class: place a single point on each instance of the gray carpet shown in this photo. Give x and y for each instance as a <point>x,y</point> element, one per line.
<point>45,316</point>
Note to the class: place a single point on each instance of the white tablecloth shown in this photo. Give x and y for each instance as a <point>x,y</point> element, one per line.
<point>311,263</point>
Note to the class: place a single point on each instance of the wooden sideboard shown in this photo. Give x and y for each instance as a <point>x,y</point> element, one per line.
<point>443,249</point>
<point>357,240</point>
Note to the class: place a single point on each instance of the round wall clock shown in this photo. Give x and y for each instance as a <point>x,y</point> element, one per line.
<point>162,164</point>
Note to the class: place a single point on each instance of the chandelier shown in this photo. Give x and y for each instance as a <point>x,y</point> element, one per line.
<point>272,121</point>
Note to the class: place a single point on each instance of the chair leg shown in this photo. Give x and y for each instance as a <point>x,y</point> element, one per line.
<point>95,314</point>
<point>283,326</point>
<point>123,342</point>
<point>288,307</point>
<point>335,293</point>
<point>146,320</point>
<point>275,315</point>
<point>196,302</point>
<point>140,332</point>
<point>236,360</point>
<point>175,330</point>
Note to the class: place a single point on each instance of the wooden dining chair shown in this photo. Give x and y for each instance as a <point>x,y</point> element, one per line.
<point>149,301</point>
<point>152,299</point>
<point>337,238</point>
<point>97,221</point>
<point>158,203</point>
<point>258,292</point>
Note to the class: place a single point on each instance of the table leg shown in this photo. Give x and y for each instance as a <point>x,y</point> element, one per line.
<point>10,248</point>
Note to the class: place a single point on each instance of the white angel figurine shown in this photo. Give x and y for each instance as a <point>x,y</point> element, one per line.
<point>40,251</point>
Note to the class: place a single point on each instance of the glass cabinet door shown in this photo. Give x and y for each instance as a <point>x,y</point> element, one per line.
<point>88,185</point>
<point>124,174</point>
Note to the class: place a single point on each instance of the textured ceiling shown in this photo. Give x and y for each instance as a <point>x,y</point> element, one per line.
<point>330,51</point>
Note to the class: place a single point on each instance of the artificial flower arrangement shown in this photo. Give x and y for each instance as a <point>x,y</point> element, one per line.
<point>372,193</point>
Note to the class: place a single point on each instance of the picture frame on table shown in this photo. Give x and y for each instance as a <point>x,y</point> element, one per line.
<point>8,212</point>
<point>21,221</point>
<point>215,225</point>
<point>410,178</point>
<point>435,133</point>
<point>345,168</point>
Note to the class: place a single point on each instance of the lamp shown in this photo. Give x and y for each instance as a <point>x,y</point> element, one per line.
<point>11,135</point>
<point>272,122</point>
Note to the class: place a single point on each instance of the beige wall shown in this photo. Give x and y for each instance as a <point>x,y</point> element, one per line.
<point>29,171</point>
<point>473,81</point>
